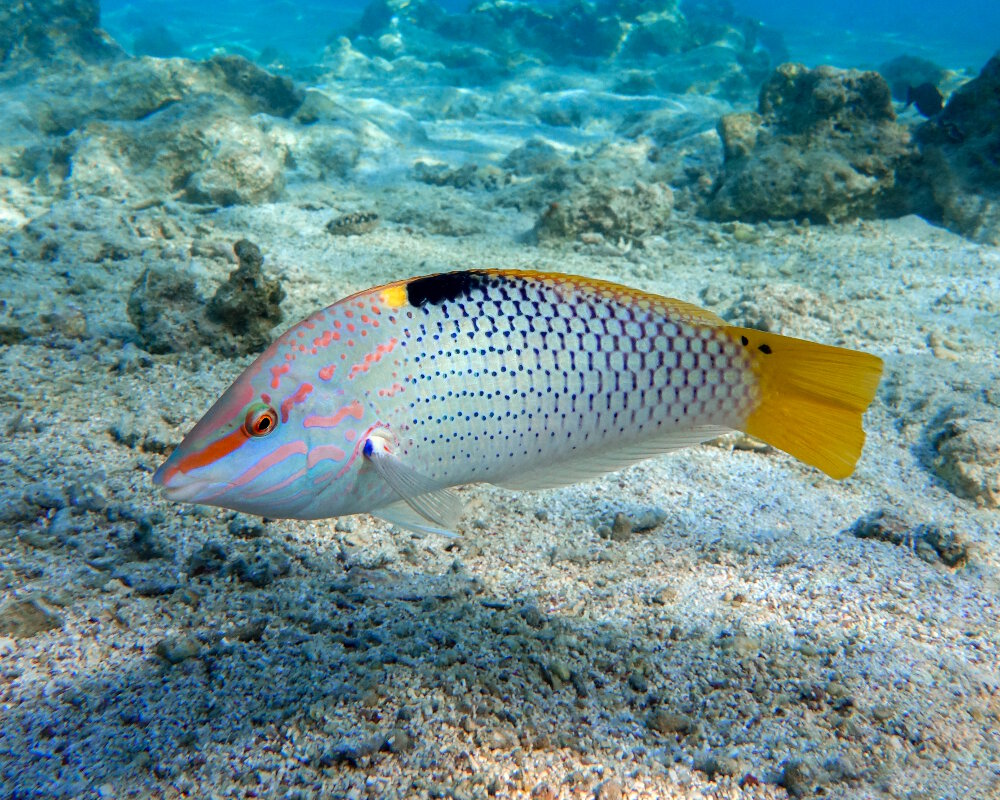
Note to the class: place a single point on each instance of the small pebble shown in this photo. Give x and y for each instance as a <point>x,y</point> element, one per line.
<point>668,722</point>
<point>89,495</point>
<point>27,617</point>
<point>559,669</point>
<point>146,543</point>
<point>175,649</point>
<point>208,559</point>
<point>46,494</point>
<point>611,789</point>
<point>355,224</point>
<point>543,792</point>
<point>398,741</point>
<point>801,778</point>
<point>244,527</point>
<point>621,528</point>
<point>718,764</point>
<point>69,322</point>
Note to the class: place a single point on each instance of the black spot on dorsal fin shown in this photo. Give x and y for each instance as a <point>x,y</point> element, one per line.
<point>437,289</point>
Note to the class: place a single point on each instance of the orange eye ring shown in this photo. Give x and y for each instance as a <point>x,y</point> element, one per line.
<point>260,421</point>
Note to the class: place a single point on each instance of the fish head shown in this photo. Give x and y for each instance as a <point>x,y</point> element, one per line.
<point>281,442</point>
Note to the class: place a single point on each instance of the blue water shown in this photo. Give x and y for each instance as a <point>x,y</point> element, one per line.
<point>860,33</point>
<point>854,33</point>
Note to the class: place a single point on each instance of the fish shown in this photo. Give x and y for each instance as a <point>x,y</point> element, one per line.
<point>387,400</point>
<point>927,98</point>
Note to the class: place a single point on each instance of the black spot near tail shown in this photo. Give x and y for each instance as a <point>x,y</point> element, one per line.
<point>437,289</point>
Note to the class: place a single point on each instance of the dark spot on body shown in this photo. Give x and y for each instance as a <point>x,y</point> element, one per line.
<point>765,349</point>
<point>744,340</point>
<point>438,289</point>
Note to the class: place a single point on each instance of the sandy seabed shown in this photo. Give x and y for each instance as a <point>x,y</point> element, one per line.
<point>692,660</point>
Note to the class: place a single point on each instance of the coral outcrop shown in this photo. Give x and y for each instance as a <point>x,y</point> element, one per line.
<point>823,145</point>
<point>52,33</point>
<point>625,214</point>
<point>966,455</point>
<point>960,166</point>
<point>146,127</point>
<point>248,304</point>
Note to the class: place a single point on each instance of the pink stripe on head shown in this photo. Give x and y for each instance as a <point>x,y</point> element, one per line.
<point>353,410</point>
<point>268,461</point>
<point>324,452</point>
<point>298,397</point>
<point>289,480</point>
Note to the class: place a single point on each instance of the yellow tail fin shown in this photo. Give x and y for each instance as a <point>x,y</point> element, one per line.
<point>812,398</point>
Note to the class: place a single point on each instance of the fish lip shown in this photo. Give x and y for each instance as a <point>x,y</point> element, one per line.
<point>216,493</point>
<point>176,485</point>
<point>196,491</point>
<point>159,477</point>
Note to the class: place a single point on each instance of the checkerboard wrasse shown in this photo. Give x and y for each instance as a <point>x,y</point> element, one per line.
<point>384,401</point>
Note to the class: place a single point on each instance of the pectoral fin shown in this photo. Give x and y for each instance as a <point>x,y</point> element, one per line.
<point>438,507</point>
<point>404,516</point>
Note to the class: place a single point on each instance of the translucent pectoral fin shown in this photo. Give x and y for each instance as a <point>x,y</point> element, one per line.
<point>404,516</point>
<point>440,509</point>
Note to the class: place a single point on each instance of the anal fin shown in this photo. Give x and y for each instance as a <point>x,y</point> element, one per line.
<point>577,469</point>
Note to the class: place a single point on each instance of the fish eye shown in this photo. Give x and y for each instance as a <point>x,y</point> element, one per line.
<point>261,419</point>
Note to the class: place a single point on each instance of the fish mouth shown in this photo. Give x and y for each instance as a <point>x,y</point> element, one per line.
<point>200,490</point>
<point>196,492</point>
<point>176,485</point>
<point>160,476</point>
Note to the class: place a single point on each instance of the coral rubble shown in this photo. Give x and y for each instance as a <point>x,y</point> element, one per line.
<point>171,316</point>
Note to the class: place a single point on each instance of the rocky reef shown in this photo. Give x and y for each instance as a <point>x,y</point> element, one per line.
<point>823,145</point>
<point>959,169</point>
<point>44,34</point>
<point>966,454</point>
<point>147,127</point>
<point>78,116</point>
